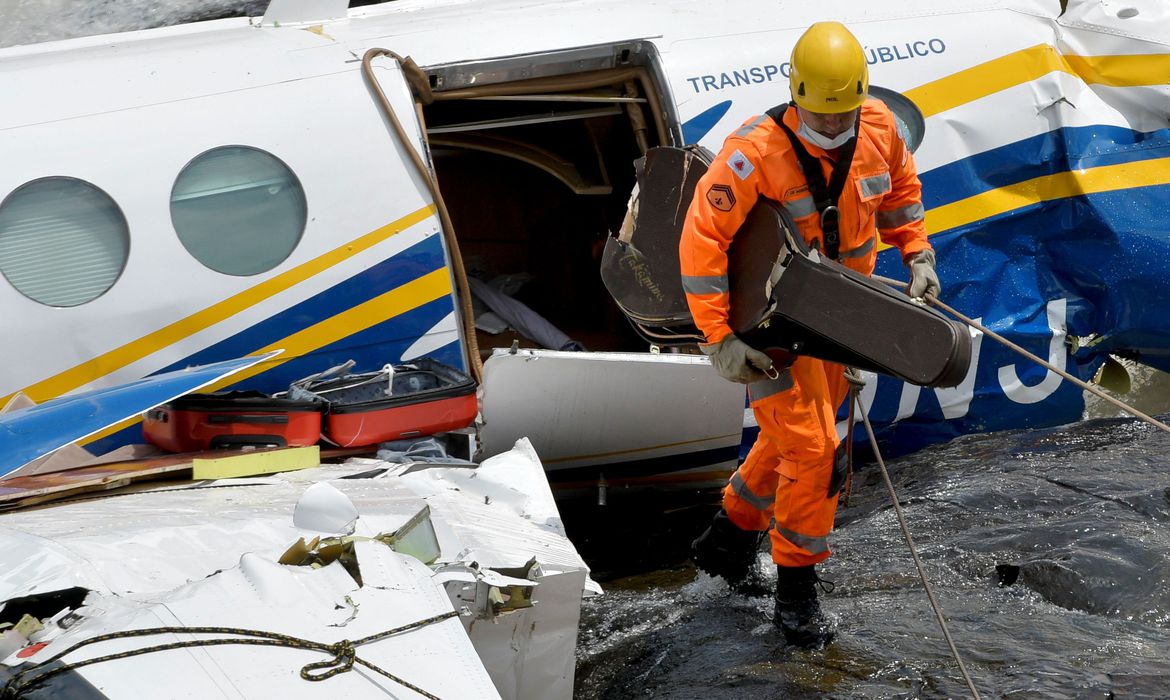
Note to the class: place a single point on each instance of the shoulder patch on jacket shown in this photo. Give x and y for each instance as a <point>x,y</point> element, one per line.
<point>740,165</point>
<point>721,197</point>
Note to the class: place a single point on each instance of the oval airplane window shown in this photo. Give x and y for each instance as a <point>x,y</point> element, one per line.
<point>911,123</point>
<point>63,241</point>
<point>238,210</point>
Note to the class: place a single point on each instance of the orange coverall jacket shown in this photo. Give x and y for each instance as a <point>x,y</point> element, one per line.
<point>882,195</point>
<point>784,482</point>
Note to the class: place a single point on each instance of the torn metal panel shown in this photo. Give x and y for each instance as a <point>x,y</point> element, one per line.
<point>501,516</point>
<point>323,606</point>
<point>500,513</point>
<point>207,554</point>
<point>545,638</point>
<point>485,594</point>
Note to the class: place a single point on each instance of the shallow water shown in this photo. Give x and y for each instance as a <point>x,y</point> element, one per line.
<point>1074,521</point>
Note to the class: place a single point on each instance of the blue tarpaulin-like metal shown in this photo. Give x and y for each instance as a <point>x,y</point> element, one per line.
<point>30,433</point>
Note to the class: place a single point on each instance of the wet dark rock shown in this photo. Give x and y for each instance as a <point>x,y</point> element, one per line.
<point>1007,574</point>
<point>1046,551</point>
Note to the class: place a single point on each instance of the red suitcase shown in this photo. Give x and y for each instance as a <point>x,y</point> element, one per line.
<point>198,422</point>
<point>427,397</point>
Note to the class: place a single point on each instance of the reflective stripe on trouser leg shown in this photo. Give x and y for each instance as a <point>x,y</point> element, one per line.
<point>748,497</point>
<point>751,493</point>
<point>801,423</point>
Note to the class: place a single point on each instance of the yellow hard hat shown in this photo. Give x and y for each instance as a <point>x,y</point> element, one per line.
<point>827,72</point>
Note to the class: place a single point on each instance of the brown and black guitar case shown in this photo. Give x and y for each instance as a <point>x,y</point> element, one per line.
<point>785,299</point>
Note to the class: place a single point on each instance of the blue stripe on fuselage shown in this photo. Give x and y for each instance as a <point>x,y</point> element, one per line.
<point>370,348</point>
<point>1105,254</point>
<point>695,128</point>
<point>1060,150</point>
<point>420,259</point>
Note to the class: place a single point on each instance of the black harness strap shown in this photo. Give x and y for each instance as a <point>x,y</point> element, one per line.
<point>825,196</point>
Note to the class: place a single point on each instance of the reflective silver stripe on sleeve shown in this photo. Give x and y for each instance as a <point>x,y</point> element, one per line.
<point>741,489</point>
<point>711,284</point>
<point>860,251</point>
<point>875,184</point>
<point>770,387</point>
<point>900,216</point>
<point>750,126</point>
<point>814,545</point>
<point>800,207</point>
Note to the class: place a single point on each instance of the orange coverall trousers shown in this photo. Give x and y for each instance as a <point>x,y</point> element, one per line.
<point>785,478</point>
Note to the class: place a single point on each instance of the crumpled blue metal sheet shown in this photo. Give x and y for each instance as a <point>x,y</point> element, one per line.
<point>33,432</point>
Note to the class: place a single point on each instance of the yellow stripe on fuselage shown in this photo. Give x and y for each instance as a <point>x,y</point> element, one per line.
<point>1107,178</point>
<point>133,351</point>
<point>1020,67</point>
<point>400,300</point>
<point>1024,66</point>
<point>413,294</point>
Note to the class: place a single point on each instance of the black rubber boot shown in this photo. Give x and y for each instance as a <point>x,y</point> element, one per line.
<point>726,551</point>
<point>798,613</point>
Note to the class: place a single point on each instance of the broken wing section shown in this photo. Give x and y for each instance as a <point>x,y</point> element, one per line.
<point>29,433</point>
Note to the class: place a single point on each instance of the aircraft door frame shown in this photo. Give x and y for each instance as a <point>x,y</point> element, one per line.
<point>401,99</point>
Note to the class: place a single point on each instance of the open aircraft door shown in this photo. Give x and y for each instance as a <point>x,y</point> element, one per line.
<point>578,118</point>
<point>622,419</point>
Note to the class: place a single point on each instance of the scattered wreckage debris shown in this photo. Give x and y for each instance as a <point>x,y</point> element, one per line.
<point>36,489</point>
<point>452,581</point>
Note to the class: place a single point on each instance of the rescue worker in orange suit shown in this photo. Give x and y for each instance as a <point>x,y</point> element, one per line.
<point>783,486</point>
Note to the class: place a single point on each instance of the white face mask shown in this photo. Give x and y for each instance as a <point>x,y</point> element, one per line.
<point>818,139</point>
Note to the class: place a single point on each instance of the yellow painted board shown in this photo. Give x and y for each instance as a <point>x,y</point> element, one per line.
<point>258,462</point>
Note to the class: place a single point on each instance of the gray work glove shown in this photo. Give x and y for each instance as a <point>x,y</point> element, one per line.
<point>736,361</point>
<point>923,278</point>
